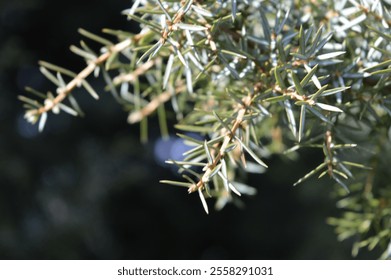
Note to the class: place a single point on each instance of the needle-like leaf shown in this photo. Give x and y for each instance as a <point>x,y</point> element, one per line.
<point>204,204</point>
<point>251,153</point>
<point>302,122</point>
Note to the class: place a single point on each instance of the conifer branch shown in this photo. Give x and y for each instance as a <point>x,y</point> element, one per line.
<point>229,135</point>
<point>321,72</point>
<point>63,92</point>
<point>137,116</point>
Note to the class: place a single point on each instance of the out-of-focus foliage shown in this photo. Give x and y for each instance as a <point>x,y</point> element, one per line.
<point>254,79</point>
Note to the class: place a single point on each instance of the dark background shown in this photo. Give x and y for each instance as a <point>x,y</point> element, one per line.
<point>86,188</point>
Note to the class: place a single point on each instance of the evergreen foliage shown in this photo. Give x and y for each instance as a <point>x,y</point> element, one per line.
<point>254,78</point>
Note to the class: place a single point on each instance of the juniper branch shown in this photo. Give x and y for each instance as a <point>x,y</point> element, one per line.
<point>151,107</point>
<point>229,135</point>
<point>77,81</point>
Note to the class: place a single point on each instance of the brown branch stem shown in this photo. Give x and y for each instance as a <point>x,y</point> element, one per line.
<point>294,95</point>
<point>227,139</point>
<point>131,77</point>
<point>76,81</point>
<point>153,105</point>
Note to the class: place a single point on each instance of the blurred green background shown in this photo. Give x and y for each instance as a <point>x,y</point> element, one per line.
<point>86,188</point>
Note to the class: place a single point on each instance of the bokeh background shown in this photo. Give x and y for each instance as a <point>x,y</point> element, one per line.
<point>86,188</point>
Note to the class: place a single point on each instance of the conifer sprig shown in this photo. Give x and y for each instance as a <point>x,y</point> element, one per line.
<point>254,79</point>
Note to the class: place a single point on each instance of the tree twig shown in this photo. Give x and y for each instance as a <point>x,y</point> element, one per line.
<point>77,81</point>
